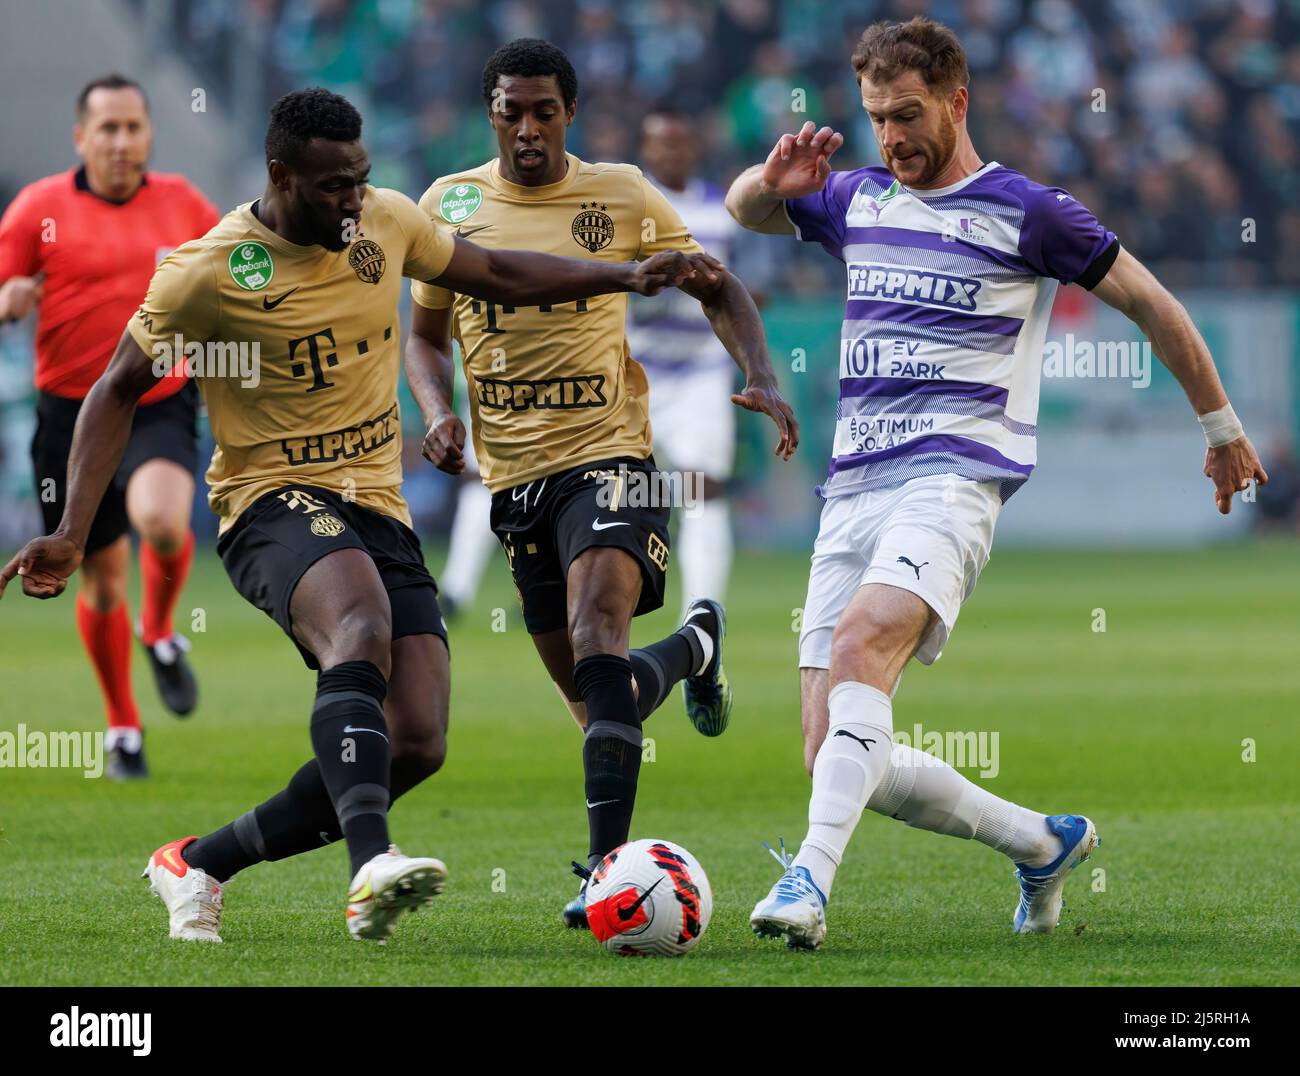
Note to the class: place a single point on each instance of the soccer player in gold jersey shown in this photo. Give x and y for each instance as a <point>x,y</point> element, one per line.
<point>286,314</point>
<point>559,410</point>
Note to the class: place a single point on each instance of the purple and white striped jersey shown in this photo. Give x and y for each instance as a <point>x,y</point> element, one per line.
<point>668,333</point>
<point>949,295</point>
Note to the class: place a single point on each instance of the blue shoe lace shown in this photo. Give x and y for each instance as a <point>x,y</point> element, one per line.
<point>792,885</point>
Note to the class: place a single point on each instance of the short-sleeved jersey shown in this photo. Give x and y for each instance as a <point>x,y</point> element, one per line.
<point>97,257</point>
<point>552,387</point>
<point>321,408</point>
<point>669,333</point>
<point>949,292</point>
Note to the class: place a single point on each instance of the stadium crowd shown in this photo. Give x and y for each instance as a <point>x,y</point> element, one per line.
<point>1177,121</point>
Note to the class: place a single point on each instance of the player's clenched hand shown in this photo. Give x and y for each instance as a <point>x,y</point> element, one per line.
<point>1231,467</point>
<point>45,565</point>
<point>670,268</point>
<point>799,163</point>
<point>444,444</point>
<point>765,397</point>
<point>18,295</point>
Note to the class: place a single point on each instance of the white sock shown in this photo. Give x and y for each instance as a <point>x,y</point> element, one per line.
<point>852,760</point>
<point>924,791</point>
<point>129,739</point>
<point>704,547</point>
<point>472,541</point>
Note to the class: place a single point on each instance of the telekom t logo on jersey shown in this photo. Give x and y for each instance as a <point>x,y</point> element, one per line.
<point>867,281</point>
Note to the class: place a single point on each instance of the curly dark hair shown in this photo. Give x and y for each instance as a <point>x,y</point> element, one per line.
<point>888,49</point>
<point>527,57</point>
<point>300,116</point>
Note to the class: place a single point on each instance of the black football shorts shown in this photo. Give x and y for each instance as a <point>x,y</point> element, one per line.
<point>283,533</point>
<point>546,523</point>
<point>168,430</point>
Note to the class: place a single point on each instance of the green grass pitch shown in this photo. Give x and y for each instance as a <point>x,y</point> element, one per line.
<point>1140,726</point>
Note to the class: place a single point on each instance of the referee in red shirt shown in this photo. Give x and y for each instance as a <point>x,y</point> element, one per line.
<point>81,247</point>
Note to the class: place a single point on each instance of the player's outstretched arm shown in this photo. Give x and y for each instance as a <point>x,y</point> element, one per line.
<point>734,317</point>
<point>430,373</point>
<point>525,278</point>
<point>798,165</point>
<point>1230,459</point>
<point>103,428</point>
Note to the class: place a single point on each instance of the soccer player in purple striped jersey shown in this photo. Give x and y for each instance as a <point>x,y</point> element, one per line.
<point>951,264</point>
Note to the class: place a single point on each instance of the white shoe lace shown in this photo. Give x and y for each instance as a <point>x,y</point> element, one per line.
<point>208,914</point>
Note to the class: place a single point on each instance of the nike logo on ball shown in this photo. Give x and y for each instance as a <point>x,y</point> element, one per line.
<point>626,913</point>
<point>597,525</point>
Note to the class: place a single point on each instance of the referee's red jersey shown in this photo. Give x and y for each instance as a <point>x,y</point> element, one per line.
<point>98,258</point>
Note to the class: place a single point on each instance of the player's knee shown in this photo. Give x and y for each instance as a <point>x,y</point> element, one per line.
<point>363,633</point>
<point>103,591</point>
<point>864,636</point>
<point>163,531</point>
<point>600,628</point>
<point>421,755</point>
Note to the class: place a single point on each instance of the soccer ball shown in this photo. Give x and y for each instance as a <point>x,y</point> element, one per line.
<point>648,898</point>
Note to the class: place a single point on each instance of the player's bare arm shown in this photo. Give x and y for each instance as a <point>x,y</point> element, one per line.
<point>525,278</point>
<point>736,323</point>
<point>103,428</point>
<point>1131,289</point>
<point>798,165</point>
<point>430,373</point>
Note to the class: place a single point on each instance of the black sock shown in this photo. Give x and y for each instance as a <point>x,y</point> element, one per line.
<point>662,665</point>
<point>350,738</point>
<point>611,749</point>
<point>295,820</point>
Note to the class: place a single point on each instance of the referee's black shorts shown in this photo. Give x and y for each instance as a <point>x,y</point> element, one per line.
<point>168,430</point>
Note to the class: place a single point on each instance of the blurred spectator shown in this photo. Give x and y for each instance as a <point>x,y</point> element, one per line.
<point>1178,123</point>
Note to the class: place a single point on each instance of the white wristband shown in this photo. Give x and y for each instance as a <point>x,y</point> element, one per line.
<point>1220,426</point>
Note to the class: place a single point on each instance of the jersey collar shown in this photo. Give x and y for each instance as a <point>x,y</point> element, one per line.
<point>81,183</point>
<point>535,194</point>
<point>953,188</point>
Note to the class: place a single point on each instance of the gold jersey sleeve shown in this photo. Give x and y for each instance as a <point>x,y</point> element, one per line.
<point>296,350</point>
<point>552,387</point>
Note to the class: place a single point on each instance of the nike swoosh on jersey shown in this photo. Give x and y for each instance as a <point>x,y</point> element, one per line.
<point>462,233</point>
<point>597,525</point>
<point>267,303</point>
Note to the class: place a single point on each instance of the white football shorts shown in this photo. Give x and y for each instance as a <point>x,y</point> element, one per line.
<point>930,536</point>
<point>693,419</point>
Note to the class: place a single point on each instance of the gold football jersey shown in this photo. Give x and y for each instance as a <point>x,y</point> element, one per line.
<point>318,406</point>
<point>552,387</point>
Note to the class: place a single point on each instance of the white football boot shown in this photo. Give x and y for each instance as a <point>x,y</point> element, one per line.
<point>795,909</point>
<point>387,886</point>
<point>1039,908</point>
<point>193,897</point>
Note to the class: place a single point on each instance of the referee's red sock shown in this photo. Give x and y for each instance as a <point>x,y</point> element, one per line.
<point>107,637</point>
<point>162,577</point>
